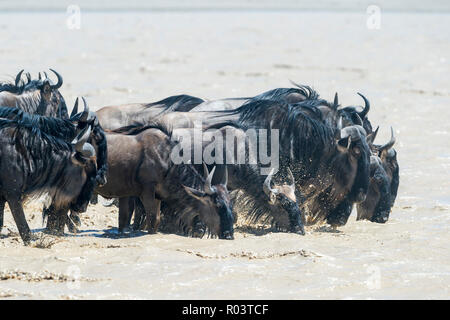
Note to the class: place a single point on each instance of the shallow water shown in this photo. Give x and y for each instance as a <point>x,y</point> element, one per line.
<point>403,68</point>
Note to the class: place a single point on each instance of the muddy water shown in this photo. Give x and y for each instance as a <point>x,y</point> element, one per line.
<point>403,68</point>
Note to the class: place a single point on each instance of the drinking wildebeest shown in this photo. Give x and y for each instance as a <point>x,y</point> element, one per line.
<point>36,96</point>
<point>114,117</point>
<point>384,182</point>
<point>140,166</point>
<point>34,163</point>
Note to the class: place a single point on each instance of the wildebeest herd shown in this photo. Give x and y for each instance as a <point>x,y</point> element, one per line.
<point>327,160</point>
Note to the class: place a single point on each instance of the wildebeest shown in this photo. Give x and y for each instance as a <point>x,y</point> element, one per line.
<point>34,163</point>
<point>140,166</point>
<point>114,117</point>
<point>39,96</point>
<point>384,182</point>
<point>67,129</point>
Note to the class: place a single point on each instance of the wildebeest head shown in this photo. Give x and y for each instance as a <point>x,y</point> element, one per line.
<point>84,156</point>
<point>40,96</point>
<point>353,146</point>
<point>377,205</point>
<point>384,181</point>
<point>215,209</point>
<point>87,118</point>
<point>283,195</point>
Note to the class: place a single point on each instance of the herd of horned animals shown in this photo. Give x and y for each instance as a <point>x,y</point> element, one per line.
<point>328,161</point>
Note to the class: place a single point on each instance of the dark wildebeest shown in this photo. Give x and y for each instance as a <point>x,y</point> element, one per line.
<point>36,96</point>
<point>114,117</point>
<point>67,129</point>
<point>384,182</point>
<point>140,166</point>
<point>33,163</point>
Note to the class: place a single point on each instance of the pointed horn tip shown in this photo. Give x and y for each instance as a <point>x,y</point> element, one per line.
<point>60,79</point>
<point>18,76</point>
<point>392,136</point>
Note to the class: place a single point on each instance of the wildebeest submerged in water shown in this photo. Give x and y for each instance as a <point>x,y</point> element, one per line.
<point>38,96</point>
<point>33,163</point>
<point>384,182</point>
<point>140,166</point>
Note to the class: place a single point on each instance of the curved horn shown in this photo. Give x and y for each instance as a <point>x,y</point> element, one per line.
<point>208,187</point>
<point>19,75</point>
<point>81,139</point>
<point>390,144</point>
<point>46,75</point>
<point>363,113</point>
<point>84,117</point>
<point>60,80</point>
<point>39,76</point>
<point>225,176</point>
<point>266,186</point>
<point>28,77</point>
<point>75,108</point>
<point>336,102</point>
<point>87,150</point>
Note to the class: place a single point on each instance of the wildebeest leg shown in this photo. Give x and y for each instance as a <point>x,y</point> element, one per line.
<point>57,219</point>
<point>75,217</point>
<point>19,218</point>
<point>73,220</point>
<point>94,198</point>
<point>2,210</point>
<point>139,215</point>
<point>124,213</point>
<point>152,208</point>
<point>339,216</point>
<point>130,209</point>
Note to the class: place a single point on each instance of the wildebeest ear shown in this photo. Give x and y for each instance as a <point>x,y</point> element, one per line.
<point>197,194</point>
